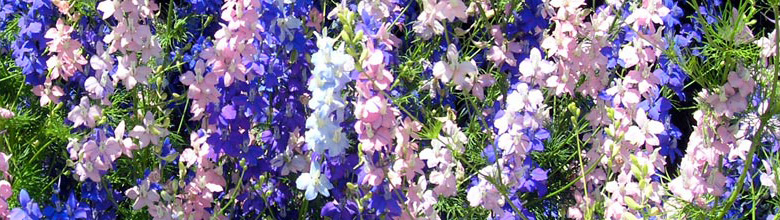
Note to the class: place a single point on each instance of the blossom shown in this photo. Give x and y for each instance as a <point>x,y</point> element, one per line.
<point>130,73</point>
<point>452,9</point>
<point>314,182</point>
<point>119,140</point>
<point>28,208</point>
<point>428,21</point>
<point>84,113</point>
<point>769,178</point>
<point>535,67</point>
<point>143,195</point>
<point>68,59</point>
<point>49,93</point>
<point>645,130</point>
<point>524,98</point>
<point>453,70</point>
<point>148,133</point>
<point>328,78</point>
<point>5,193</point>
<point>6,114</point>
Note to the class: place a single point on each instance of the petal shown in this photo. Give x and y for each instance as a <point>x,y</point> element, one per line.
<point>311,193</point>
<point>107,7</point>
<point>303,181</point>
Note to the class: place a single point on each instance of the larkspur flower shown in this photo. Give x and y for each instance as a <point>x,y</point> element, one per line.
<point>313,182</point>
<point>29,209</point>
<point>85,113</point>
<point>143,195</point>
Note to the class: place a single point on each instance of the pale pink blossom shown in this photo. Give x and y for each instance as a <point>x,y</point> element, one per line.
<point>119,140</point>
<point>49,93</point>
<point>452,70</point>
<point>143,195</point>
<point>769,178</point>
<point>130,72</point>
<point>85,113</point>
<point>645,130</point>
<point>535,66</point>
<point>6,114</point>
<point>148,133</point>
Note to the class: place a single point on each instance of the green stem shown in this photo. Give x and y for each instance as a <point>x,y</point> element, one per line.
<point>186,106</point>
<point>304,209</point>
<point>232,197</point>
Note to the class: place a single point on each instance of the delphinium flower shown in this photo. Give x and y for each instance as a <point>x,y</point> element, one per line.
<point>132,35</point>
<point>630,138</point>
<point>100,86</point>
<point>464,75</point>
<point>769,177</point>
<point>504,49</point>
<point>93,155</point>
<point>712,139</point>
<point>201,180</point>
<point>85,113</point>
<point>70,209</point>
<point>330,74</point>
<point>144,194</point>
<point>66,56</point>
<point>314,182</point>
<point>231,44</point>
<point>283,57</point>
<point>49,93</point>
<point>29,208</point>
<point>517,125</point>
<point>101,196</point>
<point>201,88</point>
<point>6,114</point>
<point>8,10</point>
<point>376,116</point>
<point>28,50</point>
<point>429,22</point>
<point>518,132</point>
<point>150,132</point>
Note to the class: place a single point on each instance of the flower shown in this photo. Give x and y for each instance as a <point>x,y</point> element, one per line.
<point>49,93</point>
<point>119,141</point>
<point>769,178</point>
<point>28,210</point>
<point>452,70</point>
<point>6,114</point>
<point>535,67</point>
<point>5,193</point>
<point>130,73</point>
<point>645,130</point>
<point>85,114</point>
<point>314,182</point>
<point>143,195</point>
<point>150,132</point>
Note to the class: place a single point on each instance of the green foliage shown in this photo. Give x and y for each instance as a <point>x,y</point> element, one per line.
<point>727,44</point>
<point>11,30</point>
<point>35,138</point>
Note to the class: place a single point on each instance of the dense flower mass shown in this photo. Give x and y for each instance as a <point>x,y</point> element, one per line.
<point>389,109</point>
